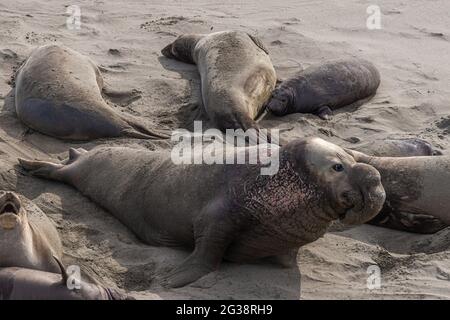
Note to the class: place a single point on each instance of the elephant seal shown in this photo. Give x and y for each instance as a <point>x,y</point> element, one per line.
<point>320,89</point>
<point>416,188</point>
<point>225,211</point>
<point>237,75</point>
<point>59,93</point>
<point>27,284</point>
<point>408,147</point>
<point>28,239</point>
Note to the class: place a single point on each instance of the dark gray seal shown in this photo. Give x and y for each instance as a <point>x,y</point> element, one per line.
<point>237,75</point>
<point>28,284</point>
<point>224,211</point>
<point>28,239</point>
<point>59,93</point>
<point>322,88</point>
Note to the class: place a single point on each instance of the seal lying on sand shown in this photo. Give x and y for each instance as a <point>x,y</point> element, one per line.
<point>27,284</point>
<point>416,187</point>
<point>237,75</point>
<point>58,93</point>
<point>322,88</point>
<point>28,239</point>
<point>408,147</point>
<point>225,211</point>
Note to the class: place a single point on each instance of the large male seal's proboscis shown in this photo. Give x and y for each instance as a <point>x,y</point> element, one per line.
<point>224,211</point>
<point>27,284</point>
<point>237,75</point>
<point>28,239</point>
<point>322,88</point>
<point>58,93</point>
<point>416,187</point>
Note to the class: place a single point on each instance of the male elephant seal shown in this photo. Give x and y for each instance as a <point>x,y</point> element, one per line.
<point>237,75</point>
<point>320,89</point>
<point>416,188</point>
<point>28,239</point>
<point>27,284</point>
<point>225,211</point>
<point>58,93</point>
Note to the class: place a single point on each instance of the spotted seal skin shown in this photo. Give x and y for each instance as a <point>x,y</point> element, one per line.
<point>59,93</point>
<point>227,211</point>
<point>322,88</point>
<point>27,284</point>
<point>28,239</point>
<point>237,75</point>
<point>417,193</point>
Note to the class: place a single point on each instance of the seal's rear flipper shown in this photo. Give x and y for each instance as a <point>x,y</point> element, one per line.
<point>41,169</point>
<point>139,131</point>
<point>64,274</point>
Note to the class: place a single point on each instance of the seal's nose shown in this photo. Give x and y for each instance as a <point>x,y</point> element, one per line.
<point>167,51</point>
<point>366,175</point>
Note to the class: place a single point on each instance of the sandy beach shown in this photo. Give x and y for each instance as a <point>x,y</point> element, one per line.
<point>125,38</point>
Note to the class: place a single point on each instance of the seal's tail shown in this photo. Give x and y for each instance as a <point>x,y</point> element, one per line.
<point>43,169</point>
<point>138,130</point>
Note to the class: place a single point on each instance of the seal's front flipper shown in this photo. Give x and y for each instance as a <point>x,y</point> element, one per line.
<point>213,232</point>
<point>325,113</point>
<point>409,222</point>
<point>41,169</point>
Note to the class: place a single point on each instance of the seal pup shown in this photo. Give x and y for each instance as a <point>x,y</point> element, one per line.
<point>322,88</point>
<point>237,75</point>
<point>226,211</point>
<point>27,284</point>
<point>416,188</point>
<point>59,93</point>
<point>28,239</point>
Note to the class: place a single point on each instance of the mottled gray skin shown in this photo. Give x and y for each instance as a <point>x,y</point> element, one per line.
<point>320,89</point>
<point>27,284</point>
<point>59,93</point>
<point>28,239</point>
<point>237,75</point>
<point>416,188</point>
<point>223,211</point>
<point>408,147</point>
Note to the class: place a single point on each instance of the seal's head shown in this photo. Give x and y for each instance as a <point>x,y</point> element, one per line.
<point>281,101</point>
<point>182,48</point>
<point>352,191</point>
<point>11,212</point>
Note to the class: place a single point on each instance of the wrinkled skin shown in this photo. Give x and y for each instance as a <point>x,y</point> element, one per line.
<point>27,284</point>
<point>227,211</point>
<point>320,89</point>
<point>417,192</point>
<point>408,147</point>
<point>28,239</point>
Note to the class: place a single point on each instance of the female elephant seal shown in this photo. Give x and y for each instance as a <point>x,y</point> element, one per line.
<point>237,76</point>
<point>28,239</point>
<point>320,89</point>
<point>58,93</point>
<point>416,188</point>
<point>225,211</point>
<point>28,284</point>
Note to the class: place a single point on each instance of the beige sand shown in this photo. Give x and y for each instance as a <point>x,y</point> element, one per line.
<point>411,52</point>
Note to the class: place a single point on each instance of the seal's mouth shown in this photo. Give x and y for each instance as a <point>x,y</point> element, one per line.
<point>9,204</point>
<point>9,208</point>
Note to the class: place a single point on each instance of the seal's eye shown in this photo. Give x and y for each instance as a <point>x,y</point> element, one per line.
<point>338,167</point>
